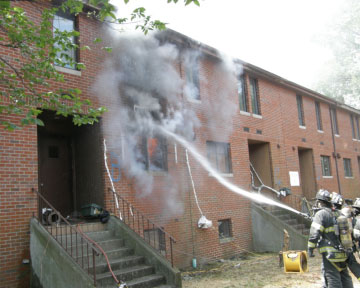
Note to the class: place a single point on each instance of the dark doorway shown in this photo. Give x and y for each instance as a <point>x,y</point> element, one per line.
<point>70,163</point>
<point>307,172</point>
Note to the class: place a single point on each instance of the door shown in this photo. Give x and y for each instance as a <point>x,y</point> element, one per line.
<point>307,174</point>
<point>55,173</point>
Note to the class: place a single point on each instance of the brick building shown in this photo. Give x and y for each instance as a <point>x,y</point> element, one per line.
<point>238,117</point>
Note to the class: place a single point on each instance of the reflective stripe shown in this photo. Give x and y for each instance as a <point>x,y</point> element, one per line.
<point>317,226</point>
<point>311,245</point>
<point>338,256</point>
<point>329,229</point>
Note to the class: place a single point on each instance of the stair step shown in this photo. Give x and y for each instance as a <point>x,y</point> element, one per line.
<point>111,254</point>
<point>146,281</point>
<point>133,260</point>
<point>64,229</point>
<point>95,235</point>
<point>125,275</point>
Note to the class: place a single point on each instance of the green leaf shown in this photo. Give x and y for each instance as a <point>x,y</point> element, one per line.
<point>97,40</point>
<point>107,49</point>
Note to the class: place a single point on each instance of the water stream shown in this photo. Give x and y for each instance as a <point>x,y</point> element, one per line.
<point>207,166</point>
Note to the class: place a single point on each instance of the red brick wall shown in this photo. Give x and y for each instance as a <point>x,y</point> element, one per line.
<point>279,126</point>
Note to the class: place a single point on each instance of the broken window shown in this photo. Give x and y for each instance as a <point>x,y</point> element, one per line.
<point>219,156</point>
<point>300,109</point>
<point>225,230</point>
<point>347,167</point>
<point>156,238</point>
<point>243,102</point>
<point>254,93</point>
<point>192,79</point>
<point>325,165</point>
<point>154,151</point>
<point>67,56</point>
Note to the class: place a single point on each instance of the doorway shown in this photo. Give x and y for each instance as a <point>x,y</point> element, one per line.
<point>70,163</point>
<point>307,172</point>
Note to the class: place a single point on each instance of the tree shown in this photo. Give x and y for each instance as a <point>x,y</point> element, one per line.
<point>341,80</point>
<point>25,80</point>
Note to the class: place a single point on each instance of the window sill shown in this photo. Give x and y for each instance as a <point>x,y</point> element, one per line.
<point>228,175</point>
<point>327,177</point>
<point>320,131</point>
<point>158,173</point>
<point>68,70</point>
<point>302,127</point>
<point>257,116</point>
<point>337,135</point>
<point>226,240</point>
<point>355,139</point>
<point>191,100</point>
<point>349,177</point>
<point>245,113</point>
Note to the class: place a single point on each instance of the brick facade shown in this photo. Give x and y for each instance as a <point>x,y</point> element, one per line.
<point>277,128</point>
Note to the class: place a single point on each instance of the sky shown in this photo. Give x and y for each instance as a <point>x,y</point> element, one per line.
<point>280,36</point>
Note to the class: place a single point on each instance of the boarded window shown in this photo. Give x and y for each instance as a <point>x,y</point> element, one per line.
<point>325,165</point>
<point>347,167</point>
<point>318,116</point>
<point>225,229</point>
<point>300,109</point>
<point>243,101</point>
<point>219,156</point>
<point>254,93</point>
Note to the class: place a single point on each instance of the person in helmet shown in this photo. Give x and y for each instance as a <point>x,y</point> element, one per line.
<point>322,236</point>
<point>356,220</point>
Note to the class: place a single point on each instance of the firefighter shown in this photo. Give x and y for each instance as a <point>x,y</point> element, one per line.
<point>348,244</point>
<point>322,235</point>
<point>356,221</point>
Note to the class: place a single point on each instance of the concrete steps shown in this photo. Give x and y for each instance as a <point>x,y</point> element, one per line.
<point>129,268</point>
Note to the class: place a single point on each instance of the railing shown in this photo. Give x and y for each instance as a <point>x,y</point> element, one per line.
<point>153,234</point>
<point>77,245</point>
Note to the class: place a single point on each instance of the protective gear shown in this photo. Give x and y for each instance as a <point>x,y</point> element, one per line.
<point>344,233</point>
<point>337,200</point>
<point>323,195</point>
<point>311,252</point>
<point>356,203</point>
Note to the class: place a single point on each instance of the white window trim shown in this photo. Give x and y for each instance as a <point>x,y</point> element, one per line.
<point>226,239</point>
<point>320,131</point>
<point>302,127</point>
<point>337,135</point>
<point>355,139</point>
<point>245,113</point>
<point>191,100</point>
<point>157,173</point>
<point>328,177</point>
<point>227,175</point>
<point>349,177</point>
<point>68,70</point>
<point>257,116</point>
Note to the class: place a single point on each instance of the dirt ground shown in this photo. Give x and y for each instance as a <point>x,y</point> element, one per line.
<point>255,270</point>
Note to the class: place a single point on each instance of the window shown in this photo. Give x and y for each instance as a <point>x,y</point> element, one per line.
<point>154,153</point>
<point>352,122</point>
<point>67,54</point>
<point>243,101</point>
<point>225,228</point>
<point>219,156</point>
<point>347,167</point>
<point>334,121</point>
<point>300,109</point>
<point>254,96</point>
<point>192,80</point>
<point>325,165</point>
<point>156,238</point>
<point>318,116</point>
<point>357,127</point>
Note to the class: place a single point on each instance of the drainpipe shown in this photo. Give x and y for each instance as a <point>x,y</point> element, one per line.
<point>334,146</point>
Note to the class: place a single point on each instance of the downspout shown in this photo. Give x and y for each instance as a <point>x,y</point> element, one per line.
<point>334,146</point>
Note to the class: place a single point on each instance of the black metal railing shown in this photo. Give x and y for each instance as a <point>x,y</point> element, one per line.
<point>77,245</point>
<point>137,221</point>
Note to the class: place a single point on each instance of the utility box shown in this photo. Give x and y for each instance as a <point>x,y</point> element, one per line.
<point>91,210</point>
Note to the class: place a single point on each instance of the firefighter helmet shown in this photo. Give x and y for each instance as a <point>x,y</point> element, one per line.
<point>323,195</point>
<point>337,199</point>
<point>357,203</point>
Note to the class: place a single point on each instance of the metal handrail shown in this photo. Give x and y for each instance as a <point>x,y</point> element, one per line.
<point>84,260</point>
<point>141,224</point>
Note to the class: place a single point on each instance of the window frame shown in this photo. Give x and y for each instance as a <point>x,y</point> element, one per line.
<point>318,116</point>
<point>242,94</point>
<point>75,51</point>
<point>300,109</point>
<point>323,167</point>
<point>145,153</point>
<point>357,127</point>
<point>192,78</point>
<point>228,229</point>
<point>347,168</point>
<point>334,121</point>
<point>254,96</point>
<point>212,149</point>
